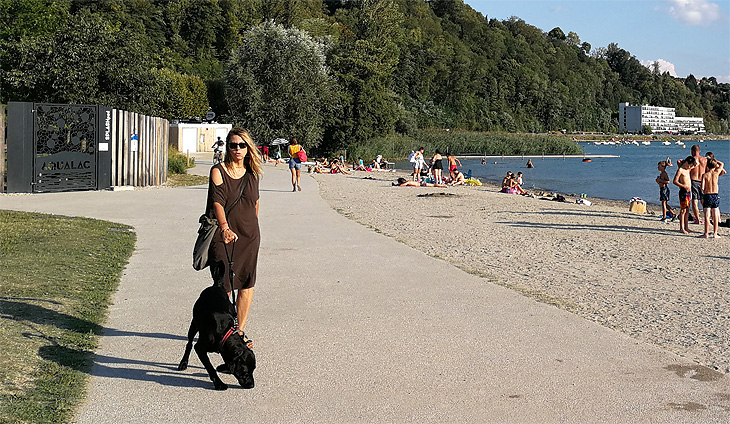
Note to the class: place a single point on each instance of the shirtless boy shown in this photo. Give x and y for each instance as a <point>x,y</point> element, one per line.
<point>458,178</point>
<point>663,181</point>
<point>452,165</point>
<point>682,180</point>
<point>695,174</point>
<point>710,197</point>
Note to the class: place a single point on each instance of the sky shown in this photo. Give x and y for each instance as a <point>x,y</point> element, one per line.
<point>684,36</point>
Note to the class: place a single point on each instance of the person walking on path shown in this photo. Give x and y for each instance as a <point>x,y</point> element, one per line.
<point>695,174</point>
<point>295,165</point>
<point>238,235</point>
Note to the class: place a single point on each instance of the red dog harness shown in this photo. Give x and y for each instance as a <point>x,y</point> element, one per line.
<point>228,334</point>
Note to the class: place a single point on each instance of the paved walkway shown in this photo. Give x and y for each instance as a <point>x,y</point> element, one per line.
<point>352,326</point>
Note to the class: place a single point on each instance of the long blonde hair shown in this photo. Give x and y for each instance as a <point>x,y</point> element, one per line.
<point>252,160</point>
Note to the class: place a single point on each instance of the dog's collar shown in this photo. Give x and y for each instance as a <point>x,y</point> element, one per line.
<point>228,334</point>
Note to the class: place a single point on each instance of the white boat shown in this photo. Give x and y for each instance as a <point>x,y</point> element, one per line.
<point>679,143</point>
<point>635,143</point>
<point>646,143</point>
<point>666,143</point>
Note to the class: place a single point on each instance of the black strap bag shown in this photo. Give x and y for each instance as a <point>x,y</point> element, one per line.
<point>208,227</point>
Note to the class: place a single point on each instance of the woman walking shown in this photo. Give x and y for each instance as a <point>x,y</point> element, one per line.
<point>238,235</point>
<point>295,165</point>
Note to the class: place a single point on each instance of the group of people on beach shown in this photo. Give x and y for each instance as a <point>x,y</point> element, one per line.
<point>697,180</point>
<point>433,171</point>
<point>512,184</point>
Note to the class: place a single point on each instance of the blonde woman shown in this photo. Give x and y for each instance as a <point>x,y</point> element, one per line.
<point>238,233</point>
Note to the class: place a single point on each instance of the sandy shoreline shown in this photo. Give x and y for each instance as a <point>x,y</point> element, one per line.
<point>626,271</point>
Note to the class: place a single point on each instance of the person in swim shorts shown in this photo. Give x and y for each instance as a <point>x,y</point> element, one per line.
<point>682,180</point>
<point>695,175</point>
<point>711,198</point>
<point>452,165</point>
<point>663,181</point>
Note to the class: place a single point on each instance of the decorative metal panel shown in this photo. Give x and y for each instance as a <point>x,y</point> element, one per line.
<point>65,139</point>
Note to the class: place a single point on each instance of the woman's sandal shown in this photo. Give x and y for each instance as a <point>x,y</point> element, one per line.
<point>249,342</point>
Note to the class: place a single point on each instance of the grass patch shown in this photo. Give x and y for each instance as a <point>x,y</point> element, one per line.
<point>57,276</point>
<point>181,180</point>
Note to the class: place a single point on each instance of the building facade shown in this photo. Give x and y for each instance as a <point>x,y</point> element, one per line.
<point>690,125</point>
<point>633,119</point>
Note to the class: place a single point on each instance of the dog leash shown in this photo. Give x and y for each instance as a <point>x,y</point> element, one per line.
<point>231,275</point>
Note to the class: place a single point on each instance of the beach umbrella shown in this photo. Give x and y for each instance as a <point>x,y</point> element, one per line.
<point>278,142</point>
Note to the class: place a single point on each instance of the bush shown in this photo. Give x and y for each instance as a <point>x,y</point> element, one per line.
<point>177,163</point>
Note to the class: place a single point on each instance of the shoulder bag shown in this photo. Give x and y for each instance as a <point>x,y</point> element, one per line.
<point>208,227</point>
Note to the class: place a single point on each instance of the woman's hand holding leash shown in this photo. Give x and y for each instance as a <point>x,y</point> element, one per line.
<point>229,236</point>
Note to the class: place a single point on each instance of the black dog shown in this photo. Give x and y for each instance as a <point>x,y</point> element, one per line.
<point>213,319</point>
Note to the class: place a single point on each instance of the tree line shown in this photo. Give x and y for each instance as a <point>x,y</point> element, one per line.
<point>333,73</point>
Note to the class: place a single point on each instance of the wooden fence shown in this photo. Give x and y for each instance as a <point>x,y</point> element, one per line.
<point>140,161</point>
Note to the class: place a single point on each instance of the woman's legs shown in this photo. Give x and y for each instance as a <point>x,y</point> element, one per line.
<point>299,179</point>
<point>243,305</point>
<point>293,178</point>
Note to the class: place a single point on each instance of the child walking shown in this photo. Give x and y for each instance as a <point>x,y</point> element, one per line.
<point>663,181</point>
<point>682,180</point>
<point>711,198</point>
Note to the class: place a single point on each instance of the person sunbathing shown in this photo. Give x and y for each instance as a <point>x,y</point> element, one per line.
<point>458,178</point>
<point>509,184</point>
<point>402,182</point>
<point>337,167</point>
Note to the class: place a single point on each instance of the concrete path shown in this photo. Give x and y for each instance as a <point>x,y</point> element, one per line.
<point>352,326</point>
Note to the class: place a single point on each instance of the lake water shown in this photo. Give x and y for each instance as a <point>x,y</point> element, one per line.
<point>630,175</point>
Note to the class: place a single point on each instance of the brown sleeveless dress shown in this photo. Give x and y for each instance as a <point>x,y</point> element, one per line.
<point>243,221</point>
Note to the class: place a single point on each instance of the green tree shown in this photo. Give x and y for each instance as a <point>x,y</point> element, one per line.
<point>278,85</point>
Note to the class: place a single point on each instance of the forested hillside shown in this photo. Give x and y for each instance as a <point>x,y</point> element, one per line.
<point>333,72</point>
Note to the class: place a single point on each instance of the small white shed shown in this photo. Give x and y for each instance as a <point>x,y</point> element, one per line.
<point>197,137</point>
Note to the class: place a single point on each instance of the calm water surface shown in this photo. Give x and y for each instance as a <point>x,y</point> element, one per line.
<point>630,175</point>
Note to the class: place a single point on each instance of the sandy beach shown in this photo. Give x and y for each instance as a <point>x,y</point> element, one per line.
<point>626,271</point>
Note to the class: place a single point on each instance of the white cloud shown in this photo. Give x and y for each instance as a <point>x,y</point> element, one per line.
<point>664,66</point>
<point>694,12</point>
<point>723,78</point>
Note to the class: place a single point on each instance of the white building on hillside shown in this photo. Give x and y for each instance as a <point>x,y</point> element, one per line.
<point>633,119</point>
<point>690,125</point>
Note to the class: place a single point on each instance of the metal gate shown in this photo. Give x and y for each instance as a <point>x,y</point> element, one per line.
<point>65,140</point>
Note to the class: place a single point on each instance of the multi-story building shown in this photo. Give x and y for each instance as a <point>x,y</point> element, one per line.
<point>633,119</point>
<point>690,125</point>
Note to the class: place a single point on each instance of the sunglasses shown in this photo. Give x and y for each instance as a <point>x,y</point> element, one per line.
<point>237,146</point>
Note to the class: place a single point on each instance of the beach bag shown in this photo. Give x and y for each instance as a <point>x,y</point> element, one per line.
<point>412,157</point>
<point>302,155</point>
<point>208,227</point>
<point>206,231</point>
